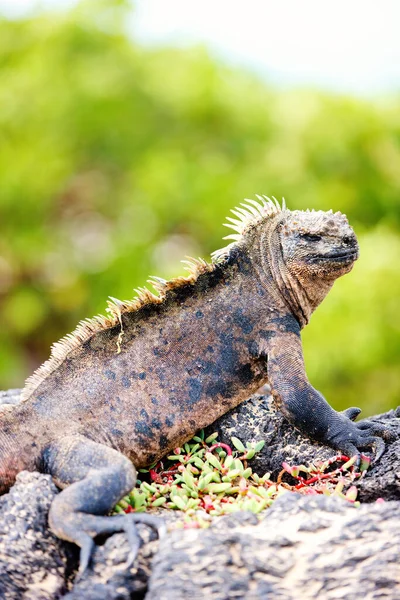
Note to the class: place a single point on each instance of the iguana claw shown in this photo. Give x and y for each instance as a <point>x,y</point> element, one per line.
<point>351,413</point>
<point>352,437</point>
<point>124,523</point>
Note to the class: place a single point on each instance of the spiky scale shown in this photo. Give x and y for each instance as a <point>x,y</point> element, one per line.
<point>234,221</point>
<point>250,211</point>
<point>257,205</point>
<point>239,213</point>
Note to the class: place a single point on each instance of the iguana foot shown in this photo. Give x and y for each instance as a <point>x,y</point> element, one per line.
<point>92,525</point>
<point>97,478</point>
<point>351,438</point>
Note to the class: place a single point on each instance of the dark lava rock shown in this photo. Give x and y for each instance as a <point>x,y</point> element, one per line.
<point>305,547</point>
<point>109,577</point>
<point>36,565</point>
<point>33,562</point>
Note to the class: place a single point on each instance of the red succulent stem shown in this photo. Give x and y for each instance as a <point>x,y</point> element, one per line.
<point>221,445</point>
<point>341,457</point>
<point>306,482</point>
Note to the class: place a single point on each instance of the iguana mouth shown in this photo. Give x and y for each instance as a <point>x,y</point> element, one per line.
<point>341,255</point>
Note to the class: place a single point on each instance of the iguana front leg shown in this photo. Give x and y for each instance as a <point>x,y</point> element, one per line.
<point>97,478</point>
<point>308,410</point>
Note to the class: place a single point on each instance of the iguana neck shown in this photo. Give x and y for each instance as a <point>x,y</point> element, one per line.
<point>301,299</point>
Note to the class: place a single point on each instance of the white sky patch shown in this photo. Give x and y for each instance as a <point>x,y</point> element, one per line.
<point>347,46</point>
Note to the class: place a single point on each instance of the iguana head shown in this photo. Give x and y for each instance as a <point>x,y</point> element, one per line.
<point>317,245</point>
<point>303,251</point>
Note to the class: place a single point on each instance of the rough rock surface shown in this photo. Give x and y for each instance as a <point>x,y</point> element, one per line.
<point>305,547</point>
<point>33,562</point>
<point>36,565</point>
<point>109,578</point>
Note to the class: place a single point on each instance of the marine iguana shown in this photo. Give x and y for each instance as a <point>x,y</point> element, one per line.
<point>122,390</point>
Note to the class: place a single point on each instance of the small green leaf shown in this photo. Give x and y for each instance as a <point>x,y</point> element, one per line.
<point>216,476</point>
<point>216,488</point>
<point>365,463</point>
<point>249,454</point>
<point>260,491</point>
<point>238,465</point>
<point>150,488</point>
<point>213,460</point>
<point>193,503</point>
<point>228,461</point>
<point>188,479</point>
<point>233,473</point>
<point>205,480</point>
<point>351,493</point>
<point>259,446</point>
<point>349,463</point>
<point>212,437</point>
<point>179,502</point>
<point>238,444</point>
<point>159,501</point>
<point>339,486</point>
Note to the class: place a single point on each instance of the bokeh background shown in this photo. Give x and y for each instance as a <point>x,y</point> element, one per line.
<point>122,150</point>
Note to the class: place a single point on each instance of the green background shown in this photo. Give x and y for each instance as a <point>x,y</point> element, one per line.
<point>116,161</point>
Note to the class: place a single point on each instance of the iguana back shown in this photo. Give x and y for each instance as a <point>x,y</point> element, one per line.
<point>178,366</point>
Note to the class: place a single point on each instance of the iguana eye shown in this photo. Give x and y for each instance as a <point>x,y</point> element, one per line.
<point>311,238</point>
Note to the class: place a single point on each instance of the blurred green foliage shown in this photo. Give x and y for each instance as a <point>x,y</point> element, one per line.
<point>117,161</point>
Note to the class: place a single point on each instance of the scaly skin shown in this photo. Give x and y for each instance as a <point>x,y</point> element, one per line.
<point>126,391</point>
